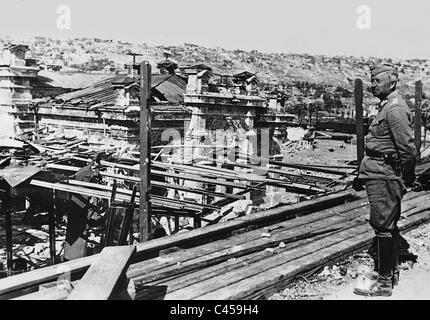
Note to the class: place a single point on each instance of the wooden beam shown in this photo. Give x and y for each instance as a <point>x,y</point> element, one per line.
<point>295,262</point>
<point>358,93</point>
<point>282,172</point>
<point>250,247</point>
<point>417,117</point>
<point>286,231</point>
<point>51,213</point>
<point>105,275</point>
<point>200,179</point>
<point>145,152</point>
<point>4,208</point>
<point>13,285</point>
<point>181,256</point>
<point>123,195</point>
<point>163,185</point>
<point>295,165</point>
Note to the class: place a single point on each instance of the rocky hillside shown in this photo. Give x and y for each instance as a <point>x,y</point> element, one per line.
<point>304,76</point>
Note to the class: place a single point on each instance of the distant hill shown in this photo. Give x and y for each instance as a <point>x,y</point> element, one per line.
<point>305,76</point>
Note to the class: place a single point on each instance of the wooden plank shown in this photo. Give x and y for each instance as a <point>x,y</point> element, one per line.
<point>12,285</point>
<point>263,283</point>
<point>243,238</point>
<point>51,215</point>
<point>160,184</point>
<point>148,277</point>
<point>104,276</point>
<point>164,185</point>
<point>52,291</point>
<point>250,241</point>
<point>358,94</point>
<point>198,178</point>
<point>180,176</point>
<point>146,290</point>
<point>219,280</point>
<point>36,277</point>
<point>62,167</point>
<point>145,152</point>
<point>345,210</point>
<point>123,196</point>
<point>250,247</point>
<point>417,116</point>
<point>5,209</point>
<point>280,274</point>
<point>56,291</point>
<point>48,274</point>
<point>227,279</point>
<point>294,165</point>
<point>300,187</point>
<point>197,191</point>
<point>287,174</point>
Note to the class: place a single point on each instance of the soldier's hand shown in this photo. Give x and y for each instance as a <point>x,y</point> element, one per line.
<point>358,184</point>
<point>417,186</point>
<point>409,178</point>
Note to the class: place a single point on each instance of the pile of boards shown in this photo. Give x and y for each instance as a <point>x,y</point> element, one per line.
<point>247,258</point>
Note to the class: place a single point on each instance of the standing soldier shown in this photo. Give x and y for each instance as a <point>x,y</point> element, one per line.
<point>386,170</point>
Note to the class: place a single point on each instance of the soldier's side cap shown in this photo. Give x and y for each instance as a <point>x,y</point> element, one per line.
<point>379,68</point>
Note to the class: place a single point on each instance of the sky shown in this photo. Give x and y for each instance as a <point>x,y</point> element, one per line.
<point>397,29</point>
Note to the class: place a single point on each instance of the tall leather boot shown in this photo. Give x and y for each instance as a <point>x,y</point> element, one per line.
<point>396,250</point>
<point>375,259</point>
<point>373,275</point>
<point>383,285</point>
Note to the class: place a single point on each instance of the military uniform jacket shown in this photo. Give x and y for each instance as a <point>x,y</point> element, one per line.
<point>395,115</point>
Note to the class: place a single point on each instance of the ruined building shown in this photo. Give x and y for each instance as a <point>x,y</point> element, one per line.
<point>16,73</point>
<point>189,104</point>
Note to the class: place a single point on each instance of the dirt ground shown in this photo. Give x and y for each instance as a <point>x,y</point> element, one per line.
<point>338,281</point>
<point>326,152</point>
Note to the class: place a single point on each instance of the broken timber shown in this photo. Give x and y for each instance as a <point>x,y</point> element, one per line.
<point>145,152</point>
<point>231,269</point>
<point>323,230</point>
<point>105,275</point>
<point>29,282</point>
<point>358,93</point>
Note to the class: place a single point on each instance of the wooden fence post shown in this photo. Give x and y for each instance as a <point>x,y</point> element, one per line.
<point>417,117</point>
<point>358,92</point>
<point>145,152</point>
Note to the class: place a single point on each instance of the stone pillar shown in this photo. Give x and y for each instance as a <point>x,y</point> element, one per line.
<point>194,133</point>
<point>192,83</point>
<point>15,90</point>
<point>273,103</point>
<point>6,90</point>
<point>277,134</point>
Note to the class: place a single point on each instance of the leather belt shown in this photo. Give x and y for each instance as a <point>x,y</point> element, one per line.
<point>374,154</point>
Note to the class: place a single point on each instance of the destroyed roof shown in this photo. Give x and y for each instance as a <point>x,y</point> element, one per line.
<point>66,80</point>
<point>201,66</point>
<point>167,87</point>
<point>15,175</point>
<point>13,47</point>
<point>245,75</point>
<point>172,88</point>
<point>166,63</point>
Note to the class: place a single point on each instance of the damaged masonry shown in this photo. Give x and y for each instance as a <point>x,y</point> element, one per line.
<point>190,182</point>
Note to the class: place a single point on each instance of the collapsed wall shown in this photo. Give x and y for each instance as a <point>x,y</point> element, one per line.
<point>15,90</point>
